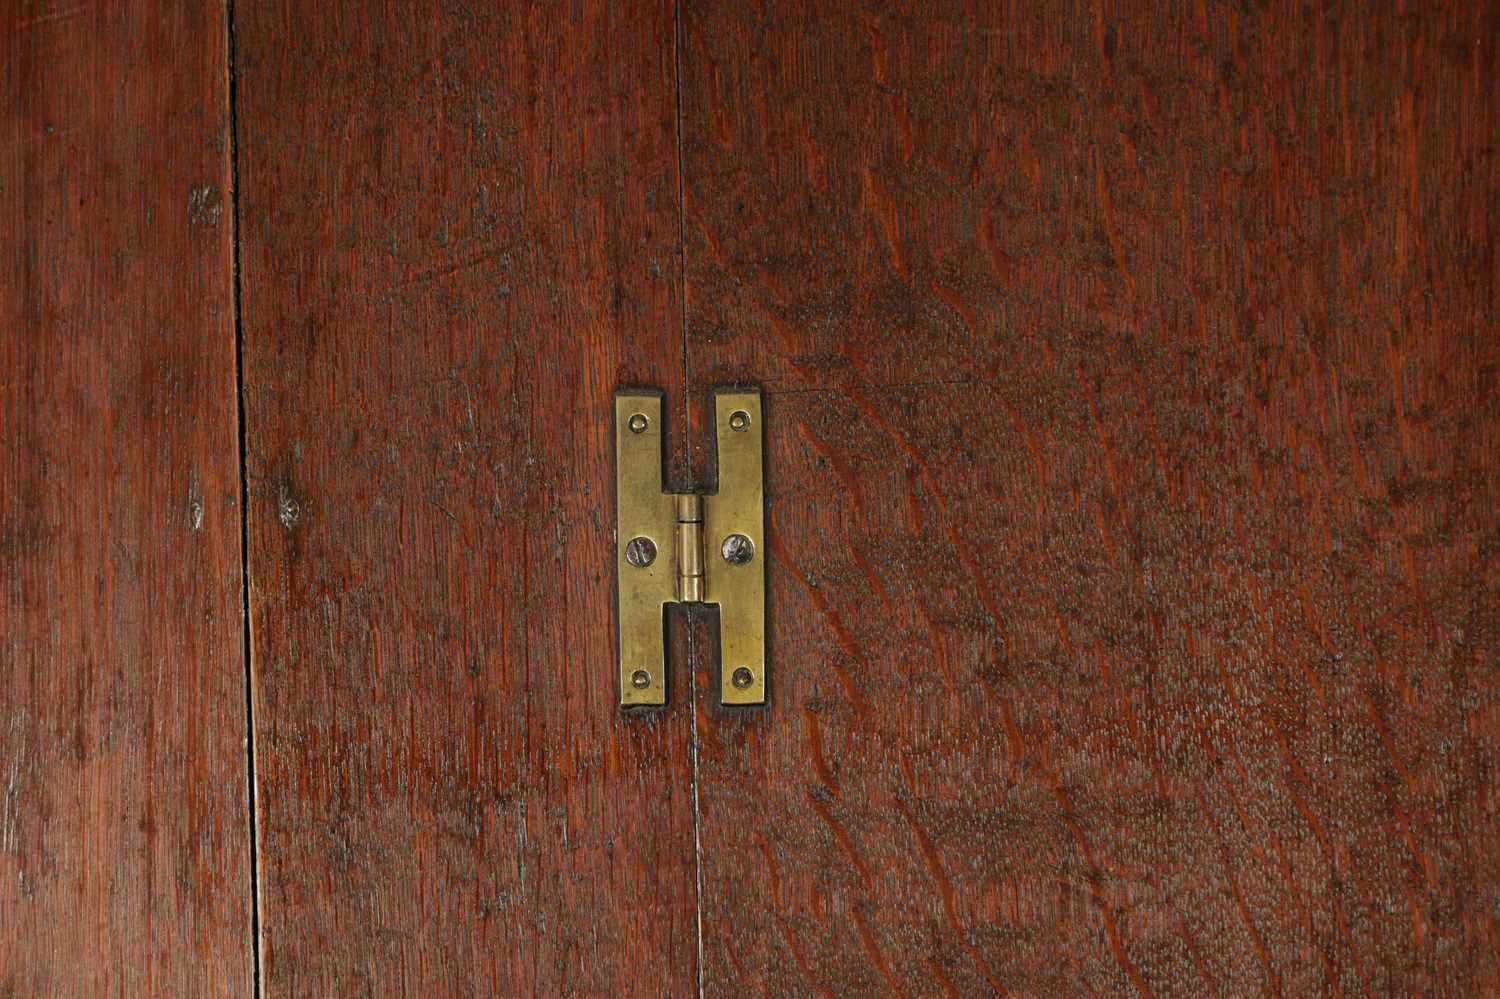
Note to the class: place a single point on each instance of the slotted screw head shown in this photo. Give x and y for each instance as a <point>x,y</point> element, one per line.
<point>640,679</point>
<point>737,549</point>
<point>640,552</point>
<point>742,677</point>
<point>638,423</point>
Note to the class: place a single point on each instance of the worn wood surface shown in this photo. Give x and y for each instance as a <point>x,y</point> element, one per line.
<point>1132,421</point>
<point>124,820</point>
<point>1131,382</point>
<point>459,236</point>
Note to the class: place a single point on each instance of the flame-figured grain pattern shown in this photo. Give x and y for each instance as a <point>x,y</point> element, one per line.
<point>1131,401</point>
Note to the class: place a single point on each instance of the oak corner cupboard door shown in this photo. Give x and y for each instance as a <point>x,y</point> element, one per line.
<point>792,499</point>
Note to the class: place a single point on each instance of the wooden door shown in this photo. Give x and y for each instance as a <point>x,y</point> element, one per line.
<point>1132,424</point>
<point>1129,379</point>
<point>459,233</point>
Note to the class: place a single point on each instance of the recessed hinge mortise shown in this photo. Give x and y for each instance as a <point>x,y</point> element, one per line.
<point>690,548</point>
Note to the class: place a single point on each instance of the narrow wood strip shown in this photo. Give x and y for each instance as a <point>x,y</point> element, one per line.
<point>124,821</point>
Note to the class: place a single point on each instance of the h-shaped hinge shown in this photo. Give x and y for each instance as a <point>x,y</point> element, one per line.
<point>690,548</point>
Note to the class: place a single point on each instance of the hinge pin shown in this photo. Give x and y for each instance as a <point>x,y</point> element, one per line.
<point>689,548</point>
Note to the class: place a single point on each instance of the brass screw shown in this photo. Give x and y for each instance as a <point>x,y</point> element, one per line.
<point>737,549</point>
<point>638,423</point>
<point>739,420</point>
<point>640,679</point>
<point>742,677</point>
<point>640,552</point>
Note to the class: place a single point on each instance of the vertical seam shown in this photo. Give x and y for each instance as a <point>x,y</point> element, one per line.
<point>687,443</point>
<point>239,376</point>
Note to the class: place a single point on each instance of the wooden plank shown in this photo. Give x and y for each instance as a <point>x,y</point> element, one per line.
<point>124,820</point>
<point>1132,422</point>
<point>460,235</point>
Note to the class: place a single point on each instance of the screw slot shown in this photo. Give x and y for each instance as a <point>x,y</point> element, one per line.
<point>640,679</point>
<point>737,549</point>
<point>638,423</point>
<point>739,421</point>
<point>640,552</point>
<point>742,677</point>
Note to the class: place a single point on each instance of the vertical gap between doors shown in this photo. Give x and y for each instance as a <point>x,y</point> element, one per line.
<point>687,444</point>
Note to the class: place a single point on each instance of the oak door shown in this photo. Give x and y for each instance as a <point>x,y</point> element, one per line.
<point>1132,422</point>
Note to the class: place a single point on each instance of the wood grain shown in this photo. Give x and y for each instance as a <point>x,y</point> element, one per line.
<point>460,235</point>
<point>124,820</point>
<point>1132,421</point>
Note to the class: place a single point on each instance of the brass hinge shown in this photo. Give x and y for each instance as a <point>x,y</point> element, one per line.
<point>690,548</point>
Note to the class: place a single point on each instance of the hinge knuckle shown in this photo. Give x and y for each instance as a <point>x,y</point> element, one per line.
<point>689,548</point>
